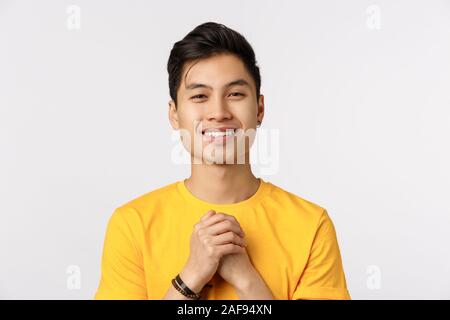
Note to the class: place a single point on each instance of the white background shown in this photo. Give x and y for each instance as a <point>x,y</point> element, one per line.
<point>363,115</point>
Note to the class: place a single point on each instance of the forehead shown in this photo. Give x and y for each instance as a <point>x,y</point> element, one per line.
<point>215,71</point>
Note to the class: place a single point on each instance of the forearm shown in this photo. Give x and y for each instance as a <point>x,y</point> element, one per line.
<point>254,288</point>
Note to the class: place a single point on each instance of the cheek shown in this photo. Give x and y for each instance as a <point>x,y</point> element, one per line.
<point>246,116</point>
<point>189,117</point>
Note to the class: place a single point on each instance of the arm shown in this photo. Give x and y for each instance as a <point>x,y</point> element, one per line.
<point>323,276</point>
<point>122,271</point>
<point>254,288</point>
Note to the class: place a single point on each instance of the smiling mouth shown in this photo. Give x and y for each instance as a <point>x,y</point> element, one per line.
<point>219,133</point>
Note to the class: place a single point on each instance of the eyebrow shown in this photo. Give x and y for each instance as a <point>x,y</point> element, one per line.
<point>239,82</point>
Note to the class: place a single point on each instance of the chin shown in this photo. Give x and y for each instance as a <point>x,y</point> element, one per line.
<point>230,159</point>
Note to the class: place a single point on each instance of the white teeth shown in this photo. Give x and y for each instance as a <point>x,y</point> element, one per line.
<point>219,133</point>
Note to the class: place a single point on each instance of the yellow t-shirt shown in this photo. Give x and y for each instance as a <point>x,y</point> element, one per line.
<point>290,241</point>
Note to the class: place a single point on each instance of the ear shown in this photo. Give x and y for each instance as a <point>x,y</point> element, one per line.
<point>173,115</point>
<point>260,114</point>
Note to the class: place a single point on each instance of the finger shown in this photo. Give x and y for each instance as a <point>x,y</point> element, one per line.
<point>207,215</point>
<point>231,218</point>
<point>228,237</point>
<point>213,219</point>
<point>229,248</point>
<point>224,226</point>
<point>218,217</point>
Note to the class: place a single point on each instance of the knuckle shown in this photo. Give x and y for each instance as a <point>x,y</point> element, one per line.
<point>221,215</point>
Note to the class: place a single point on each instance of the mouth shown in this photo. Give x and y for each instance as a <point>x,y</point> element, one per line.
<point>218,134</point>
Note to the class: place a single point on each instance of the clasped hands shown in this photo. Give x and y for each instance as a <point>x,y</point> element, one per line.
<point>218,244</point>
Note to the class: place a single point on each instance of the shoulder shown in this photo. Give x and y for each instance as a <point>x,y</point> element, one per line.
<point>291,199</point>
<point>152,197</point>
<point>140,208</point>
<point>297,206</point>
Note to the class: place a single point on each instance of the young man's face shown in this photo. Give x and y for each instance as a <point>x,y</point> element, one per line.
<point>217,108</point>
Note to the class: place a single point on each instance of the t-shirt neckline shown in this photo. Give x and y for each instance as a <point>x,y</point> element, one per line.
<point>252,200</point>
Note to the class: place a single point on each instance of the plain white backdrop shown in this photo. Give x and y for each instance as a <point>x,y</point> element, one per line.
<point>359,91</point>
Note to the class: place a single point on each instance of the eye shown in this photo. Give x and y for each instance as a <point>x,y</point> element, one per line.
<point>238,93</point>
<point>198,96</point>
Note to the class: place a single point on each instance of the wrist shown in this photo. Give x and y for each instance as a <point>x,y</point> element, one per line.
<point>192,280</point>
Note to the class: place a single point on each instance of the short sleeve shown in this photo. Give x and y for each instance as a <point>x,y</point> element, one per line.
<point>122,272</point>
<point>323,276</point>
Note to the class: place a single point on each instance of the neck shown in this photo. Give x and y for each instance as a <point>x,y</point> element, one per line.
<point>222,183</point>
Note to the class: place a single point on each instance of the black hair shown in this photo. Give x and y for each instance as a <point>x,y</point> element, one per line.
<point>204,41</point>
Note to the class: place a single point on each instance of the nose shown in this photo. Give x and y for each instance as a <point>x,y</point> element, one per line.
<point>218,110</point>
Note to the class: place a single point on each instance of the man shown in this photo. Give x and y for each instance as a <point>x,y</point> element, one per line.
<point>222,233</point>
